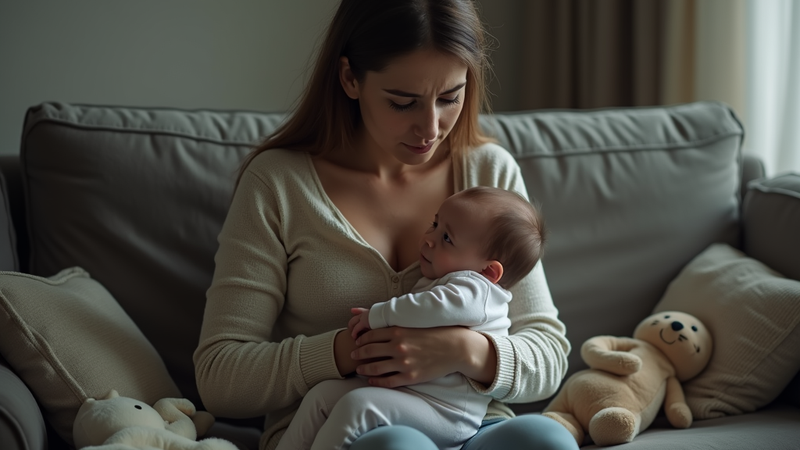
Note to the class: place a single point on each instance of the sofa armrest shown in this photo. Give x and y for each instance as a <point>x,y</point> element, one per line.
<point>14,212</point>
<point>770,220</point>
<point>21,423</point>
<point>752,169</point>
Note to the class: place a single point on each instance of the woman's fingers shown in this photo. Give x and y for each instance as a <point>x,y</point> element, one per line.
<point>398,356</point>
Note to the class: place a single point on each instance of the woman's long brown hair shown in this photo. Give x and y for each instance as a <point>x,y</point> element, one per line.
<point>370,33</point>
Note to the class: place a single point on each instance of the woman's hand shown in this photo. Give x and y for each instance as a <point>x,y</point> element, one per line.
<point>343,347</point>
<point>405,356</point>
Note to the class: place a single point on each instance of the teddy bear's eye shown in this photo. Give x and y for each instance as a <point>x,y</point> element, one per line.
<point>694,328</point>
<point>138,407</point>
<point>666,317</point>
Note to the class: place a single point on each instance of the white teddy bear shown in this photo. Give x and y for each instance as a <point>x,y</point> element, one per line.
<point>122,423</point>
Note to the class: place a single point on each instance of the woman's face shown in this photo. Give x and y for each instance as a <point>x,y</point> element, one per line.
<point>411,106</point>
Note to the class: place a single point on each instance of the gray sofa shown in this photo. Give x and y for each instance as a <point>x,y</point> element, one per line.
<point>136,197</point>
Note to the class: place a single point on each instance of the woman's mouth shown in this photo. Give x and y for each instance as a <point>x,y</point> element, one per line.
<point>420,150</point>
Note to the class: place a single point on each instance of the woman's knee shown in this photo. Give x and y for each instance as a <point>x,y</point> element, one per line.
<point>393,437</point>
<point>528,432</point>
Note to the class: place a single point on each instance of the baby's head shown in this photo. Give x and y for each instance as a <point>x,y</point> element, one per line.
<point>491,231</point>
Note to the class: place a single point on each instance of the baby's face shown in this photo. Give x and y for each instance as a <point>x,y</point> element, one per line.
<point>456,239</point>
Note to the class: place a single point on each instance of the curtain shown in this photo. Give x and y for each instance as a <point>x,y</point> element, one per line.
<point>773,84</point>
<point>581,53</point>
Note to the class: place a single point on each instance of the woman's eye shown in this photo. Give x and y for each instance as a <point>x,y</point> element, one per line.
<point>399,107</point>
<point>450,101</point>
<point>446,238</point>
<point>434,224</point>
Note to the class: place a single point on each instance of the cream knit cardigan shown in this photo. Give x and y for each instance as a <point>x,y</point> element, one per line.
<point>289,268</point>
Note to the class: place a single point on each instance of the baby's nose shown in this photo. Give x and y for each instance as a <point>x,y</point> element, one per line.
<point>677,326</point>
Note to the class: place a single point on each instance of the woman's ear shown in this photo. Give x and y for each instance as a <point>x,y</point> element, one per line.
<point>348,78</point>
<point>493,271</point>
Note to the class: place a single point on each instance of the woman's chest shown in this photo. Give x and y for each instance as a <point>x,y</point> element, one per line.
<point>390,217</point>
<point>328,275</point>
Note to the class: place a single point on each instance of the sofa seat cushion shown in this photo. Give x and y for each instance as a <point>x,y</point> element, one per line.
<point>753,313</point>
<point>67,338</point>
<point>774,428</point>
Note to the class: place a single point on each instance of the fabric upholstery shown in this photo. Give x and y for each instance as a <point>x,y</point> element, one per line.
<point>68,339</point>
<point>21,423</point>
<point>629,197</point>
<point>771,220</point>
<point>8,242</point>
<point>93,175</point>
<point>753,313</point>
<point>615,187</point>
<point>775,425</point>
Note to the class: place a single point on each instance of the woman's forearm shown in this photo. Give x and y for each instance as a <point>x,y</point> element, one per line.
<point>480,357</point>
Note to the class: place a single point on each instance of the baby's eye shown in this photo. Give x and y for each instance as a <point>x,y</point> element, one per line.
<point>446,238</point>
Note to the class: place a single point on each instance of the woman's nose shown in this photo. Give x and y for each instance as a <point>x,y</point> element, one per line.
<point>428,125</point>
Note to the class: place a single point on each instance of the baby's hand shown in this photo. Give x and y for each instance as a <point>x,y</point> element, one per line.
<point>359,323</point>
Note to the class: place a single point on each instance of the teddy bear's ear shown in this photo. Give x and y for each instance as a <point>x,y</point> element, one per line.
<point>112,394</point>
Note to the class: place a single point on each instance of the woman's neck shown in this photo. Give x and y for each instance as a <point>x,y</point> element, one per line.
<point>364,155</point>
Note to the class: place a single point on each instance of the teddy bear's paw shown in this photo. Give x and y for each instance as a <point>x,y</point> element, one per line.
<point>569,422</point>
<point>611,426</point>
<point>679,415</point>
<point>215,444</point>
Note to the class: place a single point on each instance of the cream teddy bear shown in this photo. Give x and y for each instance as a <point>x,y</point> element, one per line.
<point>630,378</point>
<point>117,423</point>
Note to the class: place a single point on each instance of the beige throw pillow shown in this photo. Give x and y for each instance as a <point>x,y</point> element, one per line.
<point>68,339</point>
<point>753,314</point>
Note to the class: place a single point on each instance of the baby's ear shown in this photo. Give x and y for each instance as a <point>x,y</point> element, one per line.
<point>493,271</point>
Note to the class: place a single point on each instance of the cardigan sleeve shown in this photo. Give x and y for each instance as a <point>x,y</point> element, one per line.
<point>532,359</point>
<point>240,372</point>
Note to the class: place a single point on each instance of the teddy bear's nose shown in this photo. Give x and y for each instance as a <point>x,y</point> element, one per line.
<point>677,326</point>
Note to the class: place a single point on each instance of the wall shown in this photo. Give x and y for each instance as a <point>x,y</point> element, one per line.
<point>245,54</point>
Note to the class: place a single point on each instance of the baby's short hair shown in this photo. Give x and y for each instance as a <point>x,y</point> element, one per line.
<point>516,233</point>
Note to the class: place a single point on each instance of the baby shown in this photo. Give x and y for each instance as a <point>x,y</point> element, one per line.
<point>481,243</point>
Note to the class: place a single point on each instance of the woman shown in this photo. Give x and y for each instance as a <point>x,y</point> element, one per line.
<point>327,214</point>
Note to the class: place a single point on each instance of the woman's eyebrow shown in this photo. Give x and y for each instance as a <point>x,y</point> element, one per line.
<point>400,93</point>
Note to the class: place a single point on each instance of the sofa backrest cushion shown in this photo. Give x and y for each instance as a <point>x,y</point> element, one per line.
<point>137,196</point>
<point>629,197</point>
